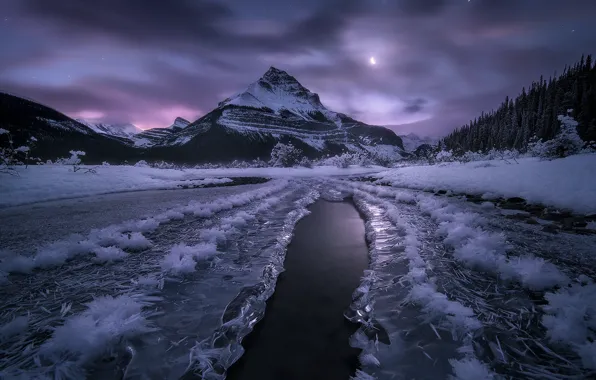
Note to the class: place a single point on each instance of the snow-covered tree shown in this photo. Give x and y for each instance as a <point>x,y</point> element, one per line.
<point>75,161</point>
<point>305,162</point>
<point>10,156</point>
<point>142,164</point>
<point>564,144</point>
<point>285,155</point>
<point>444,156</point>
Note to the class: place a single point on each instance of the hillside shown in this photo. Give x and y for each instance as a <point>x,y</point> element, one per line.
<point>534,113</point>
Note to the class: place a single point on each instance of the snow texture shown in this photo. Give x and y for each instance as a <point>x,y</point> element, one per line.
<point>470,369</point>
<point>183,258</point>
<point>451,315</point>
<point>279,91</point>
<point>109,254</point>
<point>568,183</point>
<point>571,320</point>
<point>51,182</point>
<point>85,336</point>
<point>478,248</point>
<point>118,130</point>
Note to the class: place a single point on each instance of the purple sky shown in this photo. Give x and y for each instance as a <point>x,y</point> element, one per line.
<point>439,62</point>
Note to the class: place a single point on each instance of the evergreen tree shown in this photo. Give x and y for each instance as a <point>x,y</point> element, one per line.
<point>533,113</point>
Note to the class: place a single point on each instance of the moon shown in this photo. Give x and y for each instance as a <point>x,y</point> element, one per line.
<point>372,61</point>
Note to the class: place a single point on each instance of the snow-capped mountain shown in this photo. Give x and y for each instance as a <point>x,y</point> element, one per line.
<point>275,108</point>
<point>282,94</point>
<point>126,130</point>
<point>179,123</point>
<point>56,134</point>
<point>412,141</point>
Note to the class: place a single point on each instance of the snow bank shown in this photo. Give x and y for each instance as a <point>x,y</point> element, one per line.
<point>223,348</point>
<point>470,369</point>
<point>571,320</point>
<point>87,335</point>
<point>183,258</point>
<point>129,234</point>
<point>51,182</point>
<point>477,248</point>
<point>109,254</point>
<point>566,183</point>
<point>451,315</point>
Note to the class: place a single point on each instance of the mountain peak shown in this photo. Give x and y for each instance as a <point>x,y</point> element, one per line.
<point>118,129</point>
<point>276,76</point>
<point>180,122</point>
<point>280,92</point>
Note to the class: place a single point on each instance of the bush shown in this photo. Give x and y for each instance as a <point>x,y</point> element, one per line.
<point>285,155</point>
<point>142,164</point>
<point>10,156</point>
<point>444,156</point>
<point>305,162</point>
<point>564,144</point>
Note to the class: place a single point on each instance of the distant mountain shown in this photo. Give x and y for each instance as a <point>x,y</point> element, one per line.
<point>412,141</point>
<point>119,130</point>
<point>278,108</point>
<point>179,123</point>
<point>152,137</point>
<point>56,133</point>
<point>275,108</point>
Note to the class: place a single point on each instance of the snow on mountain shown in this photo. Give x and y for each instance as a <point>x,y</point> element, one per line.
<point>412,141</point>
<point>179,123</point>
<point>119,130</point>
<point>276,108</point>
<point>283,94</point>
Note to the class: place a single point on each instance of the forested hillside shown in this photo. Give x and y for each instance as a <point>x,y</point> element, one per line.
<point>534,113</point>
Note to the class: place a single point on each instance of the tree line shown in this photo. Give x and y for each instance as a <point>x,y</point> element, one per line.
<point>533,115</point>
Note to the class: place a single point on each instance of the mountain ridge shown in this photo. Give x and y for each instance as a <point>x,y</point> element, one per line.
<point>276,108</point>
<point>125,130</point>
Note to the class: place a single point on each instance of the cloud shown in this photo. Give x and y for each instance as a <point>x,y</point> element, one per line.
<point>415,105</point>
<point>440,62</point>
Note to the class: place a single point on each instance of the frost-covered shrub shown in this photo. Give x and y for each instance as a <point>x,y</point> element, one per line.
<point>444,156</point>
<point>471,156</point>
<point>305,162</point>
<point>566,143</point>
<point>346,159</point>
<point>74,158</point>
<point>11,156</point>
<point>105,163</point>
<point>142,164</point>
<point>75,161</point>
<point>285,155</point>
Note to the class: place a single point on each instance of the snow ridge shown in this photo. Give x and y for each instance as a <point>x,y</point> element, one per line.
<point>126,130</point>
<point>451,315</point>
<point>281,92</point>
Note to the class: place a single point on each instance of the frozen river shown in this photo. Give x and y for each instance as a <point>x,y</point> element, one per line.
<point>168,284</point>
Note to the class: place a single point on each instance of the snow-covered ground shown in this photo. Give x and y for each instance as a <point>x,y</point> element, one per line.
<point>568,183</point>
<point>453,288</point>
<point>51,182</point>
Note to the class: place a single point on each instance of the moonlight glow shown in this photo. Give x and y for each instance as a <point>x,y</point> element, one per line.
<point>372,61</point>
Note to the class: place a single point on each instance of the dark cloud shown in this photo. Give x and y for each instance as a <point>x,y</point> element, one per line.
<point>422,7</point>
<point>440,62</point>
<point>136,20</point>
<point>193,25</point>
<point>415,105</point>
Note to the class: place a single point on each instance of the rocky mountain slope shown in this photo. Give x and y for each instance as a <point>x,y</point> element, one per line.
<point>412,141</point>
<point>119,130</point>
<point>246,126</point>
